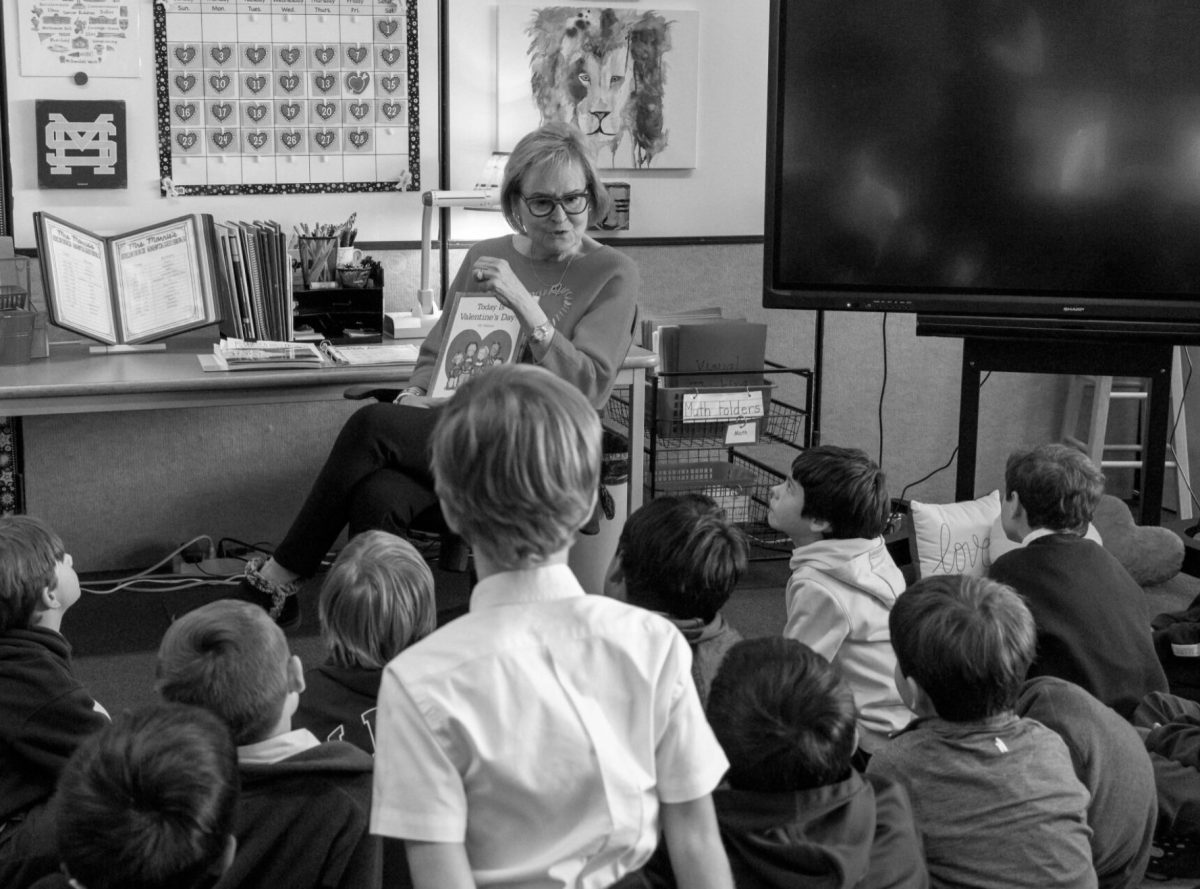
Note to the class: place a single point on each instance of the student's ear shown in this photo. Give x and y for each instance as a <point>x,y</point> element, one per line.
<point>614,580</point>
<point>914,697</point>
<point>820,526</point>
<point>48,599</point>
<point>295,675</point>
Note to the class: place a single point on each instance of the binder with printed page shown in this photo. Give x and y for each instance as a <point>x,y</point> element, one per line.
<point>134,287</point>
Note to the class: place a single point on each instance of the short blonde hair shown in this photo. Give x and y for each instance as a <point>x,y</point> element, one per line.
<point>559,145</point>
<point>516,463</point>
<point>376,600</point>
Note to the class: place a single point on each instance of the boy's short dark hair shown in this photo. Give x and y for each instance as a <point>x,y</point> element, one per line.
<point>1059,486</point>
<point>29,554</point>
<point>967,641</point>
<point>229,657</point>
<point>784,716</point>
<point>148,801</point>
<point>845,487</point>
<point>682,556</point>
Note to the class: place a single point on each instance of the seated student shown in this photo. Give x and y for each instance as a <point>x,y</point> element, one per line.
<point>1170,726</point>
<point>45,712</point>
<point>376,600</point>
<point>1091,621</point>
<point>994,795</point>
<point>1111,762</point>
<point>681,557</point>
<point>542,738</point>
<point>792,810</point>
<point>148,803</point>
<point>302,817</point>
<point>834,506</point>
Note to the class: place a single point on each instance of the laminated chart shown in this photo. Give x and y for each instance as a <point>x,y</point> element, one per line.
<point>287,97</point>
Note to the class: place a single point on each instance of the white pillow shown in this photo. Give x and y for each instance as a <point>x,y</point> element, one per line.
<point>953,538</point>
<point>1001,544</point>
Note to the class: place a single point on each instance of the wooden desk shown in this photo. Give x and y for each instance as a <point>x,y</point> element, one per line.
<point>74,381</point>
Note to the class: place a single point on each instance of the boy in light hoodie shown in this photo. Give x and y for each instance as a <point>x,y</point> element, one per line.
<point>834,506</point>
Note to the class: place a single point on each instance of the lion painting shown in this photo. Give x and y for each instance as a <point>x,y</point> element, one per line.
<point>602,70</point>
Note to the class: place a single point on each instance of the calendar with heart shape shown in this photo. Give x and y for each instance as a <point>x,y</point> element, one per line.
<point>279,97</point>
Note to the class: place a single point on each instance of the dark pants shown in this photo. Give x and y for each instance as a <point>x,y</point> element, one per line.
<point>376,476</point>
<point>1174,749</point>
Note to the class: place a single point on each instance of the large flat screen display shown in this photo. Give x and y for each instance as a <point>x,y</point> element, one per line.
<point>1012,158</point>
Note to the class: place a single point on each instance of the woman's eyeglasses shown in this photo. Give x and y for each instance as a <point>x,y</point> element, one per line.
<point>543,204</point>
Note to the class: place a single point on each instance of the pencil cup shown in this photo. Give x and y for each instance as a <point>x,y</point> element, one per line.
<point>318,262</point>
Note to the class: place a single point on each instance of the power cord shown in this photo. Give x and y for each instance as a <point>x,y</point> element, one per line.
<point>148,581</point>
<point>882,385</point>
<point>948,463</point>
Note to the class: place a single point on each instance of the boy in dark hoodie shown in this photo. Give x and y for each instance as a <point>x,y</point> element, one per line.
<point>302,816</point>
<point>792,810</point>
<point>834,506</point>
<point>681,557</point>
<point>45,712</point>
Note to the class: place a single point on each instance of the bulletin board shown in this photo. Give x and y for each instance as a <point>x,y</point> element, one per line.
<point>382,187</point>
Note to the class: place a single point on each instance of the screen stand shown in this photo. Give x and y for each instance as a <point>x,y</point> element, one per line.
<point>1149,360</point>
<point>125,349</point>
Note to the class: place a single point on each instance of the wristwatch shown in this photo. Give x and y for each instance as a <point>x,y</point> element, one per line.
<point>542,332</point>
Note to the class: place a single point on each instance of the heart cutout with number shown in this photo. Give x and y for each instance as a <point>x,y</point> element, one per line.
<point>357,81</point>
<point>388,27</point>
<point>289,110</point>
<point>357,54</point>
<point>324,82</point>
<point>257,139</point>
<point>222,139</point>
<point>256,54</point>
<point>289,82</point>
<point>391,82</point>
<point>326,110</point>
<point>220,82</point>
<point>185,82</point>
<point>324,54</point>
<point>290,55</point>
<point>290,138</point>
<point>359,138</point>
<point>185,111</point>
<point>324,138</point>
<point>221,110</point>
<point>390,54</point>
<point>359,110</point>
<point>185,54</point>
<point>256,82</point>
<point>392,109</point>
<point>187,141</point>
<point>256,112</point>
<point>221,54</point>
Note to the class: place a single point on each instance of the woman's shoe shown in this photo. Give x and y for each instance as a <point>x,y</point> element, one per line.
<point>279,599</point>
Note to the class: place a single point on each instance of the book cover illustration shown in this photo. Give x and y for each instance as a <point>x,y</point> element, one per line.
<point>480,333</point>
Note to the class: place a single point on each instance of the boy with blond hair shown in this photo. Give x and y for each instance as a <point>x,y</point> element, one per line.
<point>302,817</point>
<point>376,600</point>
<point>543,738</point>
<point>45,712</point>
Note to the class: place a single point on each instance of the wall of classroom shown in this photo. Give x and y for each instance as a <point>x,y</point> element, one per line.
<point>242,474</point>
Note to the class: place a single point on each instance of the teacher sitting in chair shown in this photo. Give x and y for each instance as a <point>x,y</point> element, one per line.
<point>576,300</point>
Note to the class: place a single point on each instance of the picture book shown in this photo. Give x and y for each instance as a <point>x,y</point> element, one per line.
<point>134,287</point>
<point>372,355</point>
<point>236,354</point>
<point>479,333</point>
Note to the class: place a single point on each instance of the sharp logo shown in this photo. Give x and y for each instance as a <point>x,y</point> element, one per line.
<point>1074,309</point>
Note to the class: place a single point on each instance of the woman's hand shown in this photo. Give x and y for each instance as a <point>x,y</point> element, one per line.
<point>496,276</point>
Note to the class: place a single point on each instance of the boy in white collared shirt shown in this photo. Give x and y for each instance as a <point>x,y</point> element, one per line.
<point>302,815</point>
<point>542,739</point>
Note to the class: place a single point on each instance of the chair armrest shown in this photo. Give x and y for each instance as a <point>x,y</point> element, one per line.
<point>363,391</point>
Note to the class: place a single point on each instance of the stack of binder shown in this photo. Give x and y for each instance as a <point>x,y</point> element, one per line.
<point>256,280</point>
